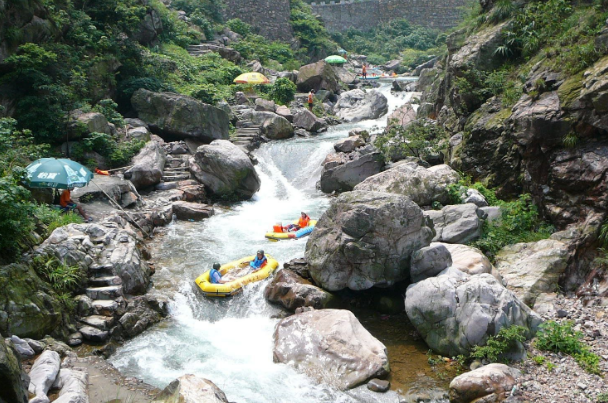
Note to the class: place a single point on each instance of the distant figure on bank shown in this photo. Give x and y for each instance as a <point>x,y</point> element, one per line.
<point>364,71</point>
<point>215,277</point>
<point>311,98</point>
<point>67,204</point>
<point>259,262</point>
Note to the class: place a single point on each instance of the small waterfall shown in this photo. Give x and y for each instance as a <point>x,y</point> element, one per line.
<point>229,341</point>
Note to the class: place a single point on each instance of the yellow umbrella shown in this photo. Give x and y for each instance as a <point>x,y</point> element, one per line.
<point>252,78</point>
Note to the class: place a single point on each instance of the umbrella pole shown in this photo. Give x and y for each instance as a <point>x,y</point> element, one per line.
<point>121,209</point>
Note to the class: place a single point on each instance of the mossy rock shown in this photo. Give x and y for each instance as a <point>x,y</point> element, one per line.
<point>570,91</point>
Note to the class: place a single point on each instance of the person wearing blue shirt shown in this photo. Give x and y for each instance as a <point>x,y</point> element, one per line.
<point>215,277</point>
<point>259,261</point>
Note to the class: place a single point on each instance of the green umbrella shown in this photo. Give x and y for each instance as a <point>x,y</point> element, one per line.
<point>57,173</point>
<point>342,51</point>
<point>335,59</point>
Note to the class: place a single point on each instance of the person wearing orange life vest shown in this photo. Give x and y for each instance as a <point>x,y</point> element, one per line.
<point>364,71</point>
<point>311,96</point>
<point>304,220</point>
<point>67,204</point>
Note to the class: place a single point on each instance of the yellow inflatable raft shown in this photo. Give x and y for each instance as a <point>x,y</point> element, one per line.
<point>275,236</point>
<point>235,286</point>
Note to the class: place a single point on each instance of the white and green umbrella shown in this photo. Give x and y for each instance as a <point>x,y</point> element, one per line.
<point>57,174</point>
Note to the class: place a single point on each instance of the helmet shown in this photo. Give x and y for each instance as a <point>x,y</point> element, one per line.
<point>216,266</point>
<point>261,252</point>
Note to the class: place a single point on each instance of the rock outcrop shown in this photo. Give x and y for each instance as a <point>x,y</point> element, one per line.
<point>13,385</point>
<point>307,120</point>
<point>491,383</point>
<point>43,375</point>
<point>147,166</point>
<point>422,185</point>
<point>273,126</point>
<point>191,389</point>
<point>225,170</point>
<point>180,116</point>
<point>366,239</point>
<point>458,223</point>
<point>357,105</point>
<point>455,312</point>
<point>317,76</point>
<point>330,346</point>
<point>292,291</point>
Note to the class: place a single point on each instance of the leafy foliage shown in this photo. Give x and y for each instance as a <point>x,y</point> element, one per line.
<point>315,41</point>
<point>562,338</point>
<point>54,218</point>
<point>283,91</point>
<point>117,153</point>
<point>419,139</point>
<point>497,346</point>
<point>62,277</point>
<point>387,41</point>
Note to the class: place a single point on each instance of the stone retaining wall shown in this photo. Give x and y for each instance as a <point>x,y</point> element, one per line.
<point>270,18</point>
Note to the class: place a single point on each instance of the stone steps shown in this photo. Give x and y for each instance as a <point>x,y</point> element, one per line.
<point>94,335</point>
<point>104,281</point>
<point>99,321</point>
<point>176,178</point>
<point>105,307</point>
<point>109,292</point>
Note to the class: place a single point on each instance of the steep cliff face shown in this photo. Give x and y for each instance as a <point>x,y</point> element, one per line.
<point>529,124</point>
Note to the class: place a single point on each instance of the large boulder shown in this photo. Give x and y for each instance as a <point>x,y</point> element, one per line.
<point>274,126</point>
<point>458,223</point>
<point>73,385</point>
<point>402,116</point>
<point>530,269</point>
<point>43,374</point>
<point>454,312</point>
<point>147,166</point>
<point>82,123</point>
<point>184,210</point>
<point>317,76</point>
<point>12,387</point>
<point>357,105</point>
<point>191,389</point>
<point>141,313</point>
<point>366,239</point>
<point>468,259</point>
<point>343,171</point>
<point>345,76</point>
<point>422,185</point>
<point>225,170</point>
<point>331,346</point>
<point>429,261</point>
<point>292,291</point>
<point>491,383</point>
<point>478,50</point>
<point>305,119</point>
<point>28,306</point>
<point>180,116</point>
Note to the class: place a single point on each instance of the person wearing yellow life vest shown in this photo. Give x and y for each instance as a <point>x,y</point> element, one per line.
<point>311,96</point>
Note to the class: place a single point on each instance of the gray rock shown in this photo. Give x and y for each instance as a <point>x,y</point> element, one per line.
<point>492,213</point>
<point>284,111</point>
<point>426,65</point>
<point>378,385</point>
<point>392,65</point>
<point>180,116</point>
<point>86,123</point>
<point>12,377</point>
<point>345,76</point>
<point>147,166</point>
<point>138,134</point>
<point>73,385</point>
<point>459,223</point>
<point>478,49</point>
<point>468,259</point>
<point>291,291</point>
<point>491,383</point>
<point>357,105</point>
<point>36,345</point>
<point>307,120</point>
<point>191,389</point>
<point>343,356</point>
<point>43,374</point>
<point>454,312</point>
<point>317,76</point>
<point>150,27</point>
<point>402,116</point>
<point>192,211</point>
<point>475,197</point>
<point>429,261</point>
<point>349,144</point>
<point>534,268</point>
<point>93,334</point>
<point>275,127</point>
<point>366,239</point>
<point>343,172</point>
<point>225,170</point>
<point>265,105</point>
<point>141,313</point>
<point>22,347</point>
<point>422,185</point>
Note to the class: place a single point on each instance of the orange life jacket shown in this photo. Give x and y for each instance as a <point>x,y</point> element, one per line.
<point>310,98</point>
<point>303,222</point>
<point>65,198</point>
<point>364,69</point>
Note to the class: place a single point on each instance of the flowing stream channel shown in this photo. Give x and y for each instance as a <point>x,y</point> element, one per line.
<point>230,341</point>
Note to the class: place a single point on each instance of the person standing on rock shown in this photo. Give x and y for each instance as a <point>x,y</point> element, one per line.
<point>364,71</point>
<point>311,98</point>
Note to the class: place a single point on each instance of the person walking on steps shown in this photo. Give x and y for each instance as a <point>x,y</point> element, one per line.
<point>311,98</point>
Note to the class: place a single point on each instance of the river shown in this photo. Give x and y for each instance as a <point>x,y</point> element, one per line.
<point>229,341</point>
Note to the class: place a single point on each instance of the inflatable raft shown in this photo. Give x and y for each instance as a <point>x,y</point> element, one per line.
<point>276,236</point>
<point>235,286</point>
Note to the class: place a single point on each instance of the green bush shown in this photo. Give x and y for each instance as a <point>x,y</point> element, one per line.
<point>107,107</point>
<point>562,338</point>
<point>420,139</point>
<point>283,91</point>
<point>507,339</point>
<point>315,41</point>
<point>62,277</point>
<point>118,154</point>
<point>54,218</point>
<point>238,26</point>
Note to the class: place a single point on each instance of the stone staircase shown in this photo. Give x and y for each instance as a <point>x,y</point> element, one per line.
<point>198,50</point>
<point>105,291</point>
<point>248,135</point>
<point>176,168</point>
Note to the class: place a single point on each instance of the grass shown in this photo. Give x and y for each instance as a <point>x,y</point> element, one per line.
<point>502,343</point>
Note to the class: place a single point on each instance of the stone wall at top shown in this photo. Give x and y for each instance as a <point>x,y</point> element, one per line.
<point>366,14</point>
<point>270,18</point>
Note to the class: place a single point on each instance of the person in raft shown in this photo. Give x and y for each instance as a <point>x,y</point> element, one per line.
<point>259,262</point>
<point>364,71</point>
<point>311,97</point>
<point>303,222</point>
<point>215,277</point>
<point>67,204</point>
